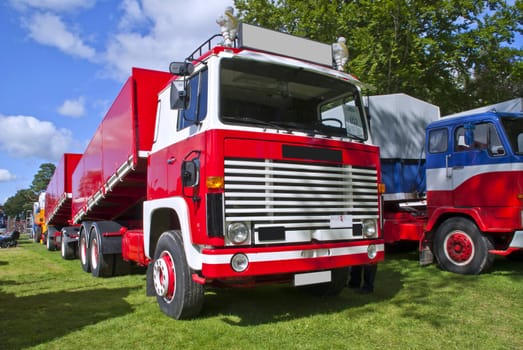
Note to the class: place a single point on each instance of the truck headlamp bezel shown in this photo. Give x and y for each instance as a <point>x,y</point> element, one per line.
<point>237,233</point>
<point>370,228</point>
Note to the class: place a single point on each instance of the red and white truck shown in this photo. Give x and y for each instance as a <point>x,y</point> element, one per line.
<point>57,213</point>
<point>246,165</point>
<point>462,197</point>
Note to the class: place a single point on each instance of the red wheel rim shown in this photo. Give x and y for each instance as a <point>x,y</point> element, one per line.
<point>459,247</point>
<point>84,250</point>
<point>94,253</point>
<point>164,276</point>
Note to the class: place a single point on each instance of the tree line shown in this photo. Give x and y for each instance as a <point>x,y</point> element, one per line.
<point>456,54</point>
<point>22,200</point>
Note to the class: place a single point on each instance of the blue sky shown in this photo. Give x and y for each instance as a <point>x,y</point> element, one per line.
<point>62,62</point>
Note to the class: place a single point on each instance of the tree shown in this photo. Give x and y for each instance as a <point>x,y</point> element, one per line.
<point>23,199</point>
<point>456,54</point>
<point>42,177</point>
<point>19,203</point>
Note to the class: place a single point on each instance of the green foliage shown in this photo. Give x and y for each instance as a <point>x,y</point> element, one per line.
<point>23,199</point>
<point>50,303</point>
<point>455,54</point>
<point>20,202</point>
<point>42,177</point>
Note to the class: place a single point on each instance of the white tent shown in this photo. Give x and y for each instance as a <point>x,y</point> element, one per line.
<point>398,123</point>
<point>514,105</point>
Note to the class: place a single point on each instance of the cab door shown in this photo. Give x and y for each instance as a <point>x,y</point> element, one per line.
<point>438,169</point>
<point>477,161</point>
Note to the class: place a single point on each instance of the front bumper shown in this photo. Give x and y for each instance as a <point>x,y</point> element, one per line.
<point>290,259</point>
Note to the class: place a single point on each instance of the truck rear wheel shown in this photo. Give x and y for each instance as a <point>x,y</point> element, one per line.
<point>84,252</point>
<point>101,264</point>
<point>460,247</point>
<point>177,294</point>
<point>334,287</point>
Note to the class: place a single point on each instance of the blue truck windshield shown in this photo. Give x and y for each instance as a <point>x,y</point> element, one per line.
<point>514,129</point>
<point>280,97</point>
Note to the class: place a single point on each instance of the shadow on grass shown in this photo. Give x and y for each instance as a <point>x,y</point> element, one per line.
<point>31,320</point>
<point>269,304</point>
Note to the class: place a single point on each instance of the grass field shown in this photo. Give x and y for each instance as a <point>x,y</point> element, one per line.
<point>50,303</point>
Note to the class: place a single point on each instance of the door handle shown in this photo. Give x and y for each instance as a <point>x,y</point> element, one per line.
<point>171,160</point>
<point>447,169</point>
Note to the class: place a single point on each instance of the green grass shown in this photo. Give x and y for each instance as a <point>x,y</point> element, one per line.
<point>50,303</point>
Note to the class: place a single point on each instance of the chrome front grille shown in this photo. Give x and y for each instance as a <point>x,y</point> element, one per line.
<point>305,201</point>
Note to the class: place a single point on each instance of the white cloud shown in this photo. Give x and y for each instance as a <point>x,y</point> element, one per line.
<point>26,136</point>
<point>49,29</point>
<point>170,35</point>
<point>6,176</point>
<point>53,5</point>
<point>73,108</point>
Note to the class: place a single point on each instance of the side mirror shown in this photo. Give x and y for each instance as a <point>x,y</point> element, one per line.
<point>181,68</point>
<point>178,97</point>
<point>190,173</point>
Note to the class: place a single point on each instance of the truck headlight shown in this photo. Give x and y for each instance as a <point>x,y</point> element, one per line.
<point>372,251</point>
<point>369,228</point>
<point>237,232</point>
<point>239,262</point>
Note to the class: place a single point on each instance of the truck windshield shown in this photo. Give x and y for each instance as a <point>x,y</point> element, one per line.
<point>288,98</point>
<point>514,129</point>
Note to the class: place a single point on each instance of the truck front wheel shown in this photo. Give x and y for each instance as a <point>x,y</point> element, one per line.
<point>177,294</point>
<point>460,247</point>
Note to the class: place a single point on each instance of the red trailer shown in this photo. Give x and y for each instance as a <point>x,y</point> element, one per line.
<point>246,165</point>
<point>58,199</point>
<point>110,181</point>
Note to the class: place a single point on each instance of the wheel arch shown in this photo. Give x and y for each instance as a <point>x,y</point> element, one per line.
<point>441,215</point>
<point>161,215</point>
<point>162,220</point>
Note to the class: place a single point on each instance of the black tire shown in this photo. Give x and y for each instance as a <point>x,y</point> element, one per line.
<point>48,244</point>
<point>101,264</point>
<point>50,241</point>
<point>83,250</point>
<point>461,248</point>
<point>338,282</point>
<point>66,249</point>
<point>37,234</point>
<point>177,294</point>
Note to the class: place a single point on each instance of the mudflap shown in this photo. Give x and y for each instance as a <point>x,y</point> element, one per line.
<point>149,284</point>
<point>426,257</point>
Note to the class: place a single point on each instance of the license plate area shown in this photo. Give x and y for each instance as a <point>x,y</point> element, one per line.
<point>304,279</point>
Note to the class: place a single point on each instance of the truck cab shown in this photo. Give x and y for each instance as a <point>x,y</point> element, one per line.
<point>474,175</point>
<point>261,170</point>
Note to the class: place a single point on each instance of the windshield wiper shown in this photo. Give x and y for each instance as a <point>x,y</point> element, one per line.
<point>266,123</point>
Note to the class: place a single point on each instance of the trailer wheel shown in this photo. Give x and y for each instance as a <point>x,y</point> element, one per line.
<point>67,251</point>
<point>177,294</point>
<point>49,235</point>
<point>334,287</point>
<point>460,247</point>
<point>37,234</point>
<point>101,264</point>
<point>84,252</point>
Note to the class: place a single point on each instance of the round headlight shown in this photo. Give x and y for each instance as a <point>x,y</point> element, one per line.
<point>372,251</point>
<point>369,229</point>
<point>237,232</point>
<point>239,262</point>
